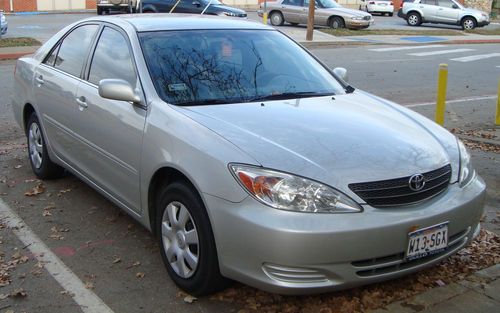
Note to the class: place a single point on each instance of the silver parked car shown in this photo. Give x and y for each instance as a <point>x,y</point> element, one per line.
<point>105,6</point>
<point>442,11</point>
<point>246,156</point>
<point>327,13</point>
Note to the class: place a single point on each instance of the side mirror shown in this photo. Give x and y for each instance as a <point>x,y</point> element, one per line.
<point>341,73</point>
<point>196,3</point>
<point>454,6</point>
<point>118,89</point>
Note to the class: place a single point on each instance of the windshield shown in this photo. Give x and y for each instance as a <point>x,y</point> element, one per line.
<point>328,4</point>
<point>232,66</point>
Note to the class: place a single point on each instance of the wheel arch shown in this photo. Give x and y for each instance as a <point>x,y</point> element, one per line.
<point>148,8</point>
<point>164,176</point>
<point>466,16</point>
<point>28,109</point>
<point>328,21</point>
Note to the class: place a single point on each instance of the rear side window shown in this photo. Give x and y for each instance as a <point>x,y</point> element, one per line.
<point>74,48</point>
<point>430,2</point>
<point>112,59</point>
<point>446,3</point>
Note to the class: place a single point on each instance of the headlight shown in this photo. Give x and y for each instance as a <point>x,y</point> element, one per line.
<point>466,170</point>
<point>228,14</point>
<point>357,18</point>
<point>288,192</point>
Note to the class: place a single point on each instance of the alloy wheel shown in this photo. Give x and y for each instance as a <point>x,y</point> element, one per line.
<point>413,20</point>
<point>468,24</point>
<point>35,145</point>
<point>180,239</point>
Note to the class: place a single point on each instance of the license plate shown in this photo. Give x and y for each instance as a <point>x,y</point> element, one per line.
<point>427,241</point>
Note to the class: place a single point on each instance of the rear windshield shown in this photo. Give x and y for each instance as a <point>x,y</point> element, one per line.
<point>231,66</point>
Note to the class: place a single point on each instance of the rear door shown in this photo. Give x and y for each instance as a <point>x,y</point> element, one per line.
<point>429,10</point>
<point>292,10</point>
<point>110,130</point>
<point>56,81</point>
<point>446,13</point>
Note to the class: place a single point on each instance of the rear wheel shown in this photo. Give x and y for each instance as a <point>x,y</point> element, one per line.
<point>39,158</point>
<point>468,23</point>
<point>277,18</point>
<point>414,19</point>
<point>391,14</point>
<point>99,11</point>
<point>336,22</point>
<point>186,240</point>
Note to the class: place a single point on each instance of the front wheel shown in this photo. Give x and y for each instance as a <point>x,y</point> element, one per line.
<point>468,23</point>
<point>99,11</point>
<point>277,19</point>
<point>186,240</point>
<point>413,19</point>
<point>391,14</point>
<point>336,22</point>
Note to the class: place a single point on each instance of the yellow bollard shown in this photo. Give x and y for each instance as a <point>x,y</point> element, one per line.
<point>441,93</point>
<point>497,115</point>
<point>264,18</point>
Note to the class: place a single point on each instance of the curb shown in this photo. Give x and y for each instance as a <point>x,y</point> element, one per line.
<point>13,56</point>
<point>337,44</point>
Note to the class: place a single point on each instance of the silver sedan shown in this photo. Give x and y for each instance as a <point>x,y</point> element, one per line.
<point>247,157</point>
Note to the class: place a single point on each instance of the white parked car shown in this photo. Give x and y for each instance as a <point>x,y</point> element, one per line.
<point>377,6</point>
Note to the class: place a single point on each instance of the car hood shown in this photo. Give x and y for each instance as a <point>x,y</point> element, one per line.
<point>354,138</point>
<point>346,12</point>
<point>473,11</point>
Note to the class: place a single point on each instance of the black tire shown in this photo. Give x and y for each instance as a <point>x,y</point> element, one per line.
<point>336,22</point>
<point>46,169</point>
<point>205,279</point>
<point>99,11</point>
<point>277,18</point>
<point>413,19</point>
<point>391,13</point>
<point>468,23</point>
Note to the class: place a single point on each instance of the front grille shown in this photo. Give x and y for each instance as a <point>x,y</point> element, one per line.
<point>397,262</point>
<point>397,191</point>
<point>367,18</point>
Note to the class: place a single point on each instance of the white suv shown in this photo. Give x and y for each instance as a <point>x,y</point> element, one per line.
<point>442,11</point>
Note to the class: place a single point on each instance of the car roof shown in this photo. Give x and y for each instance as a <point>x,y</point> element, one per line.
<point>164,21</point>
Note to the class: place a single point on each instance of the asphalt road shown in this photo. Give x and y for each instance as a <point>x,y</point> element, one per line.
<point>96,233</point>
<point>43,26</point>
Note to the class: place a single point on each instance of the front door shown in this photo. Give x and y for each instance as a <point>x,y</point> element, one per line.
<point>111,131</point>
<point>429,10</point>
<point>292,9</point>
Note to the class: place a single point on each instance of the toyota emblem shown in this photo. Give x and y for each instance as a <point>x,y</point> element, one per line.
<point>416,182</point>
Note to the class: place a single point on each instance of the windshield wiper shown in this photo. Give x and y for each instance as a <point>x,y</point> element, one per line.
<point>291,95</point>
<point>203,102</point>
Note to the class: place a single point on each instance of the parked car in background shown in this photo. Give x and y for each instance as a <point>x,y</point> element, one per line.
<point>106,6</point>
<point>191,6</point>
<point>327,13</point>
<point>443,11</point>
<point>4,26</point>
<point>246,156</point>
<point>377,6</point>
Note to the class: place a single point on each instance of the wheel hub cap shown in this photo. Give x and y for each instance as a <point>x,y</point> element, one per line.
<point>35,145</point>
<point>180,239</point>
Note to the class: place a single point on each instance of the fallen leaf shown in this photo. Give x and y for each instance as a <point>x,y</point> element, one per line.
<point>117,260</point>
<point>38,189</point>
<point>140,275</point>
<point>18,166</point>
<point>18,293</point>
<point>89,285</point>
<point>440,283</point>
<point>190,299</point>
<point>3,296</point>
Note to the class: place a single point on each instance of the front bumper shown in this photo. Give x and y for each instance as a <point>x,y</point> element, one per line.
<point>483,23</point>
<point>358,24</point>
<point>401,14</point>
<point>296,253</point>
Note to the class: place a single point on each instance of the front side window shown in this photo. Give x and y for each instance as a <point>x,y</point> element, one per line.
<point>232,66</point>
<point>428,2</point>
<point>328,4</point>
<point>74,48</point>
<point>446,3</point>
<point>112,59</point>
<point>293,2</point>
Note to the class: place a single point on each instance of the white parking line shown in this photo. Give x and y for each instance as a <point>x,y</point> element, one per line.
<point>406,48</point>
<point>88,301</point>
<point>476,57</point>
<point>422,54</point>
<point>478,98</point>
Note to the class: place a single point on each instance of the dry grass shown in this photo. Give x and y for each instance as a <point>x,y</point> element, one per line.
<point>19,42</point>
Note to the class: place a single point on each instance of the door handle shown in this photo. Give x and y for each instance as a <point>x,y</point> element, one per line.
<point>81,102</point>
<point>39,79</point>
